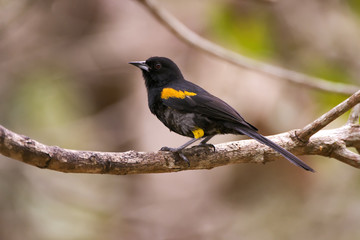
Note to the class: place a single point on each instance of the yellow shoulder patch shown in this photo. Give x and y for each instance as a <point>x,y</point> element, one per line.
<point>167,93</point>
<point>198,133</point>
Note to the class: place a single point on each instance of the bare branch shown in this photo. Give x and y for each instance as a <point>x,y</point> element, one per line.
<point>345,155</point>
<point>309,130</point>
<point>37,154</point>
<point>193,39</point>
<point>354,115</point>
<point>332,143</point>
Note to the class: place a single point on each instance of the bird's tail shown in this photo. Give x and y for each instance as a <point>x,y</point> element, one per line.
<point>288,155</point>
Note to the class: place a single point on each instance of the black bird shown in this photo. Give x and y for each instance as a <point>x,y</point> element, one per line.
<point>189,110</point>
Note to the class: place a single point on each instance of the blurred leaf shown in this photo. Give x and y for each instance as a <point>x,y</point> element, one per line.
<point>332,72</point>
<point>355,6</point>
<point>44,99</point>
<point>246,31</point>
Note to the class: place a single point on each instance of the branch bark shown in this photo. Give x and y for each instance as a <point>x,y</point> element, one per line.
<point>354,115</point>
<point>191,38</point>
<point>328,143</point>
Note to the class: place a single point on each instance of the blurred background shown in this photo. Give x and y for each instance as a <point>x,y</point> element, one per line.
<point>65,80</point>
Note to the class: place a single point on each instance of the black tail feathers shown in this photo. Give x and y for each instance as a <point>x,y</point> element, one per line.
<point>288,155</point>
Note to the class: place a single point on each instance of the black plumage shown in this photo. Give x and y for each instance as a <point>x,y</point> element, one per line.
<point>191,111</point>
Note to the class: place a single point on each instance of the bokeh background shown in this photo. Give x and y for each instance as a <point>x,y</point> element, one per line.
<point>65,81</point>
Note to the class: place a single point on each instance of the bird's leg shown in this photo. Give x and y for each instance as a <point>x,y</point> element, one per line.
<point>206,139</point>
<point>179,149</point>
<point>204,142</point>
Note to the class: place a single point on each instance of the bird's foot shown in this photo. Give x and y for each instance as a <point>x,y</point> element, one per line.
<point>178,152</point>
<point>207,145</point>
<point>169,149</point>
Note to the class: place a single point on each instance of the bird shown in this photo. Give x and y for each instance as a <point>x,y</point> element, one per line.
<point>189,110</point>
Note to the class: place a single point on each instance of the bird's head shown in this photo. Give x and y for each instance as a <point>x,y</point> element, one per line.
<point>158,71</point>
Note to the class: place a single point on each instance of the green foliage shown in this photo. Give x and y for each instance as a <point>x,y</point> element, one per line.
<point>248,29</point>
<point>333,72</point>
<point>44,99</point>
<point>355,6</point>
<point>246,32</point>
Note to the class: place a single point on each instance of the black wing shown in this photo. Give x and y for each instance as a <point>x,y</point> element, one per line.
<point>203,103</point>
<point>215,108</point>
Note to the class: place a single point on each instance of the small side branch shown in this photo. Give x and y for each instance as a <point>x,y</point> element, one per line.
<point>332,143</point>
<point>345,155</point>
<point>354,115</point>
<point>309,130</point>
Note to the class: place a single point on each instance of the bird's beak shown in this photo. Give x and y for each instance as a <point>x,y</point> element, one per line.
<point>140,64</point>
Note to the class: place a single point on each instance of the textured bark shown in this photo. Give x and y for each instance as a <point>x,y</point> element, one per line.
<point>329,143</point>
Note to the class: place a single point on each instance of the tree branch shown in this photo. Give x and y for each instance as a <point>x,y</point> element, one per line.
<point>354,115</point>
<point>193,39</point>
<point>324,143</point>
<point>309,130</point>
<point>329,143</point>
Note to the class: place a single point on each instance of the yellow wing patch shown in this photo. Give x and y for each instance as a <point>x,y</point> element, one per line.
<point>167,93</point>
<point>198,133</point>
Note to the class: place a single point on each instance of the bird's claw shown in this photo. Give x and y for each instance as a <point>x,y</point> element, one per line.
<point>208,145</point>
<point>183,157</point>
<point>168,149</point>
<point>177,152</point>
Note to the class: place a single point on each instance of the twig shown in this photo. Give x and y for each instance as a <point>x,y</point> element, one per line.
<point>354,115</point>
<point>193,39</point>
<point>309,130</point>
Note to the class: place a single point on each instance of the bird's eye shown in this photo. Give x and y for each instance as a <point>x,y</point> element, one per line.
<point>157,66</point>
